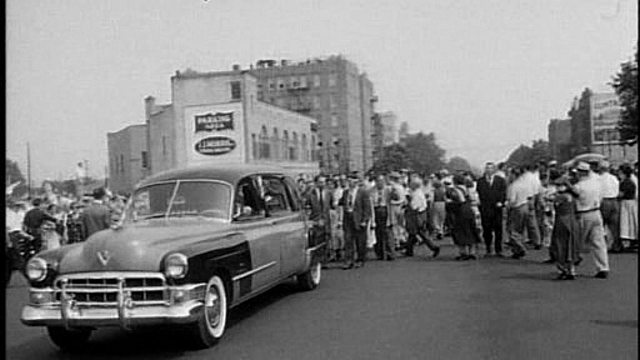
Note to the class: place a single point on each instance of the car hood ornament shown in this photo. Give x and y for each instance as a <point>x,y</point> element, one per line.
<point>104,257</point>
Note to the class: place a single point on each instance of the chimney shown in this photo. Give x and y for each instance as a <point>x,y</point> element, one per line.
<point>149,106</point>
<point>236,67</point>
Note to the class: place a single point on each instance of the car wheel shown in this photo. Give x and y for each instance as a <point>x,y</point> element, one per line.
<point>211,325</point>
<point>69,340</point>
<point>311,278</point>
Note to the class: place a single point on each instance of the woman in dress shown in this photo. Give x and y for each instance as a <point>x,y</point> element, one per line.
<point>463,229</point>
<point>565,247</point>
<point>628,206</point>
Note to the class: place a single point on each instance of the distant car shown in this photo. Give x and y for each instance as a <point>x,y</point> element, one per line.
<point>193,243</point>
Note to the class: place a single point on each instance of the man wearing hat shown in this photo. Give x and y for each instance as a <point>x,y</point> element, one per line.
<point>610,208</point>
<point>97,216</point>
<point>591,229</point>
<point>357,207</point>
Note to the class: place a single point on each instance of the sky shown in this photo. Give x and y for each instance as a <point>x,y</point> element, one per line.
<point>484,76</point>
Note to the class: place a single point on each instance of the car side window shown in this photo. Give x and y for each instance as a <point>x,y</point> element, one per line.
<point>292,191</point>
<point>247,204</point>
<point>275,195</point>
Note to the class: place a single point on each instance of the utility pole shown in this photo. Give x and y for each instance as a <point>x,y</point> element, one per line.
<point>28,171</point>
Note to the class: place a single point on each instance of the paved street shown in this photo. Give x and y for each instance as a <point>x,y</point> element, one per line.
<point>413,308</point>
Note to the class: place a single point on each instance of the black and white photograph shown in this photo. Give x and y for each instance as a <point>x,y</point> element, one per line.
<point>321,179</point>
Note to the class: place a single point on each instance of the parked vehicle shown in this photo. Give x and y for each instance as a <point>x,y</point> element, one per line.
<point>192,244</point>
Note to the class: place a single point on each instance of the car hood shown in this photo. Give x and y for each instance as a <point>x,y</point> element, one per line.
<point>139,246</point>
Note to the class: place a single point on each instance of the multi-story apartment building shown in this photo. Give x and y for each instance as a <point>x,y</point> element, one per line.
<point>333,92</point>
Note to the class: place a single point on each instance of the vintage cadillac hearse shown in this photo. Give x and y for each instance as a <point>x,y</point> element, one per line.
<point>193,243</point>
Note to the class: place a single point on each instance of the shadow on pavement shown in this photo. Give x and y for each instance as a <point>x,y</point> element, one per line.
<point>621,323</point>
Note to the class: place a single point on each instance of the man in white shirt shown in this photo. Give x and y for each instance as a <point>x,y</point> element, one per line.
<point>534,185</point>
<point>397,201</point>
<point>416,217</point>
<point>591,229</point>
<point>610,207</point>
<point>518,193</point>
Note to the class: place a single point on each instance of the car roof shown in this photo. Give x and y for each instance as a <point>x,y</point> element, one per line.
<point>230,173</point>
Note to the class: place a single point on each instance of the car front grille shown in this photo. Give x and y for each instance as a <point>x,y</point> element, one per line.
<point>101,289</point>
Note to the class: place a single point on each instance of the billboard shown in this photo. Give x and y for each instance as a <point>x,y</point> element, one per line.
<point>215,133</point>
<point>605,115</point>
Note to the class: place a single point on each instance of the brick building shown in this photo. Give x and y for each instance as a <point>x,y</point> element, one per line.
<point>333,92</point>
<point>128,157</point>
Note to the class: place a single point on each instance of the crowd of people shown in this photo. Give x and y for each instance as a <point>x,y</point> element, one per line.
<point>53,220</point>
<point>566,211</point>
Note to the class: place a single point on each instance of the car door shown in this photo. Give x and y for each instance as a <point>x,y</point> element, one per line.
<point>264,243</point>
<point>287,221</point>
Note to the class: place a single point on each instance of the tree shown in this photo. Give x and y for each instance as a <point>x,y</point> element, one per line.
<point>625,83</point>
<point>13,175</point>
<point>540,151</point>
<point>424,154</point>
<point>530,155</point>
<point>418,152</point>
<point>458,163</point>
<point>392,158</point>
<point>520,156</point>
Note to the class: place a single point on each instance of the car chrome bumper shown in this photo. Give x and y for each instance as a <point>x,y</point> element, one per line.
<point>183,305</point>
<point>33,315</point>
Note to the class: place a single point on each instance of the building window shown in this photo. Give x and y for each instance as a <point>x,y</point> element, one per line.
<point>316,102</point>
<point>303,82</point>
<point>254,147</point>
<point>121,164</point>
<point>275,144</point>
<point>236,93</point>
<point>285,145</point>
<point>145,163</point>
<point>304,153</point>
<point>334,120</point>
<point>293,149</point>
<point>316,80</point>
<point>164,146</point>
<point>314,155</point>
<point>264,143</point>
<point>333,80</point>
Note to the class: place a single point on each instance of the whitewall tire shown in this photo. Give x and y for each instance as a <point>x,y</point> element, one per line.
<point>211,325</point>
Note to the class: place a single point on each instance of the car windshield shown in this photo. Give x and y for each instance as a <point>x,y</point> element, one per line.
<point>205,199</point>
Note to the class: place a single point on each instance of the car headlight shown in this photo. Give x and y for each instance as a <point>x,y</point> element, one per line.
<point>176,266</point>
<point>36,269</point>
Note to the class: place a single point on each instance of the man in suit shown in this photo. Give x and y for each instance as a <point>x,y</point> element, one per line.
<point>357,213</point>
<point>97,216</point>
<point>319,201</point>
<point>492,190</point>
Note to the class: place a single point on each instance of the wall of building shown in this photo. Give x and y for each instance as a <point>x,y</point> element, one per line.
<point>160,136</point>
<point>559,134</point>
<point>213,124</point>
<point>127,149</point>
<point>329,91</point>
